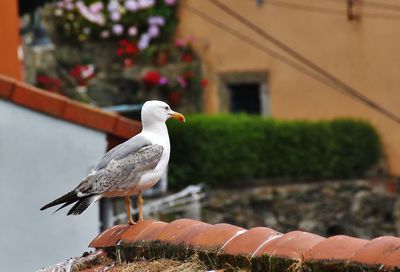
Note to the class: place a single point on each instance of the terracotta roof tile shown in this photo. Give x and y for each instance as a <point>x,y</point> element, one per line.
<point>336,248</point>
<point>292,245</point>
<point>89,116</point>
<point>63,108</point>
<point>152,232</point>
<point>131,234</point>
<point>109,237</point>
<point>392,259</point>
<point>7,86</point>
<point>381,250</point>
<point>248,242</point>
<point>215,237</point>
<point>126,128</point>
<point>193,231</point>
<point>36,99</point>
<point>176,229</point>
<point>227,244</point>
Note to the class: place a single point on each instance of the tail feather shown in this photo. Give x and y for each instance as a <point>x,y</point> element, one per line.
<point>69,198</point>
<point>82,204</point>
<point>63,206</point>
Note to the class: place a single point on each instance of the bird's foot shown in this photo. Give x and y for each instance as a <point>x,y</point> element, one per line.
<point>131,222</point>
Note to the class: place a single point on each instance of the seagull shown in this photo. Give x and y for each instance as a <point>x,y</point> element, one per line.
<point>129,168</point>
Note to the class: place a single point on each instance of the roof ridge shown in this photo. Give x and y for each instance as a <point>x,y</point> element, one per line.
<point>257,245</point>
<point>63,108</point>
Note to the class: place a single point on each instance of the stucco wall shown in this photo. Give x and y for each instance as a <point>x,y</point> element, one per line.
<point>41,158</point>
<point>362,53</point>
<point>9,39</point>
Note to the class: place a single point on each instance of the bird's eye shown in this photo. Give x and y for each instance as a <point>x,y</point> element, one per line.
<point>166,108</point>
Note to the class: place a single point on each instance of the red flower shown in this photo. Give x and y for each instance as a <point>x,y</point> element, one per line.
<point>123,42</point>
<point>186,57</point>
<point>174,98</point>
<point>188,74</point>
<point>128,63</point>
<point>76,71</point>
<point>152,78</point>
<point>127,48</point>
<point>204,83</point>
<point>49,83</point>
<point>120,51</point>
<point>82,73</point>
<point>131,49</point>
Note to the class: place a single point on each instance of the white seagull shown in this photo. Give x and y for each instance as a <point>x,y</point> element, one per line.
<point>129,168</point>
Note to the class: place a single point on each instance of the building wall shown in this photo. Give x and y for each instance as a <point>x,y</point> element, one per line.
<point>42,158</point>
<point>9,39</point>
<point>363,53</point>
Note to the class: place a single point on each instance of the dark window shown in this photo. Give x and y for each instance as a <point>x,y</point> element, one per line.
<point>245,97</point>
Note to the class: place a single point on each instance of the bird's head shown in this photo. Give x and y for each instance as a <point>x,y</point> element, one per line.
<point>158,111</point>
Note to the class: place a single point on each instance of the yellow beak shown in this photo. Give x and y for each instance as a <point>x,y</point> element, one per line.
<point>178,116</point>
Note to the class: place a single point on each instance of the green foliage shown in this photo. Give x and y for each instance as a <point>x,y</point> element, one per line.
<point>227,149</point>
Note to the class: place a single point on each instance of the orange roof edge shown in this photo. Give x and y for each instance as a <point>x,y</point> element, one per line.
<point>66,109</point>
<point>254,244</point>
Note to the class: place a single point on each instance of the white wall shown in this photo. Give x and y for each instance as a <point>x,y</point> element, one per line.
<point>42,158</point>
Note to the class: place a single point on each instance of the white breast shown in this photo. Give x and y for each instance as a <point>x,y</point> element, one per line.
<point>150,179</point>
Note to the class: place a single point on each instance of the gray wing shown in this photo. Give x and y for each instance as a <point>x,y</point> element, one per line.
<point>122,150</point>
<point>122,172</point>
<point>120,168</point>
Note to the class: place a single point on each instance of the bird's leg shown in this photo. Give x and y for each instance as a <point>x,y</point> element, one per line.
<point>128,210</point>
<point>140,203</point>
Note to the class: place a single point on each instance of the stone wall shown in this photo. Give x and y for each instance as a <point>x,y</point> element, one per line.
<point>361,208</point>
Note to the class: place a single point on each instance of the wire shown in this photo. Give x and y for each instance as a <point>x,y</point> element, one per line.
<point>326,78</point>
<point>380,5</point>
<point>306,7</point>
<point>258,45</point>
<point>348,89</point>
<point>369,3</point>
<point>330,11</point>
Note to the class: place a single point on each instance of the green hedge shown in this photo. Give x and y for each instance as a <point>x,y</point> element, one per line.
<point>226,149</point>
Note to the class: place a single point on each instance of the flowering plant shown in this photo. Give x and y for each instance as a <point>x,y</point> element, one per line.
<point>127,50</point>
<point>49,83</point>
<point>180,78</point>
<point>140,21</point>
<point>82,74</point>
<point>151,79</point>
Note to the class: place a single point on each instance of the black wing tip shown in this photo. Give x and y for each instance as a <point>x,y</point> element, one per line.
<point>82,205</point>
<point>69,198</point>
<point>45,207</point>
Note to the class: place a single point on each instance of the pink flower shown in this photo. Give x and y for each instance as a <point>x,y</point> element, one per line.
<point>105,34</point>
<point>156,20</point>
<point>182,81</point>
<point>170,2</point>
<point>89,15</point>
<point>163,81</point>
<point>96,7</point>
<point>153,31</point>
<point>131,5</point>
<point>113,6</point>
<point>118,29</point>
<point>180,42</point>
<point>69,6</point>
<point>115,16</point>
<point>132,31</point>
<point>144,41</point>
<point>144,4</point>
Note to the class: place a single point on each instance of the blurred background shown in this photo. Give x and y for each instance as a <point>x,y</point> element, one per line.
<point>292,108</point>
